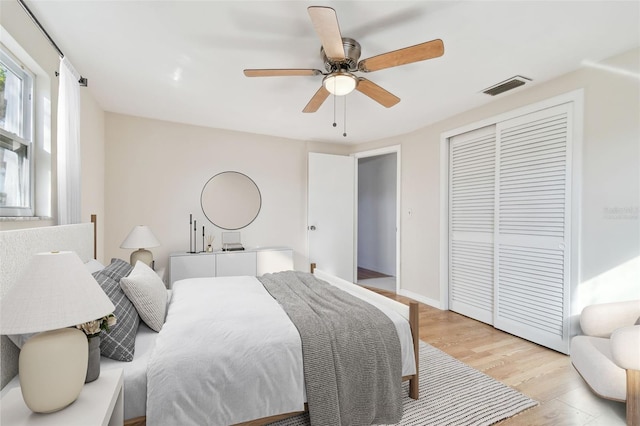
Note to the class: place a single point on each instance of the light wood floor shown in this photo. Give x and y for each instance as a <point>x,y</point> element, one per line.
<point>364,274</point>
<point>540,373</point>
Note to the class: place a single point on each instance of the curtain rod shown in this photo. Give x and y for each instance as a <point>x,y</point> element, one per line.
<point>83,81</point>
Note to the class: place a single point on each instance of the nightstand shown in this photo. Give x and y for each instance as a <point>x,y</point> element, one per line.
<point>99,403</point>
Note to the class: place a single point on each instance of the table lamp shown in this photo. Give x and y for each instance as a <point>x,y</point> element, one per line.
<point>141,237</point>
<point>54,292</point>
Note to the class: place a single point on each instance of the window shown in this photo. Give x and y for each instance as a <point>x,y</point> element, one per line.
<point>16,147</point>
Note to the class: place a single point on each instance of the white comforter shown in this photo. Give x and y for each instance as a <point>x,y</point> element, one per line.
<point>228,353</point>
<point>215,360</point>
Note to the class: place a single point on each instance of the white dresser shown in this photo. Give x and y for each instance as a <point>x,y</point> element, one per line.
<point>253,262</point>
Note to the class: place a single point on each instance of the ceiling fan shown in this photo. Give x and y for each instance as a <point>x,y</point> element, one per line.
<point>341,55</point>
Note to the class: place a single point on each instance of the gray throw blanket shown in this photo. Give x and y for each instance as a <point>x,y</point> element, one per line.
<point>350,350</point>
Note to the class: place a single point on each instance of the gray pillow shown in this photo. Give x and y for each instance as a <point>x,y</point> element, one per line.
<point>120,342</point>
<point>117,269</point>
<point>637,321</point>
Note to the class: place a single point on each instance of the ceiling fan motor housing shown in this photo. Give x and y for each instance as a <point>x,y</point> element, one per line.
<point>349,63</point>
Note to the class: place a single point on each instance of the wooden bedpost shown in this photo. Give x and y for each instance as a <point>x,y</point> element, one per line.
<point>313,267</point>
<point>94,220</point>
<point>633,397</point>
<point>414,323</point>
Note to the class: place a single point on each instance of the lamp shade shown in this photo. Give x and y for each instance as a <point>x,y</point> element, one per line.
<point>140,237</point>
<point>55,291</point>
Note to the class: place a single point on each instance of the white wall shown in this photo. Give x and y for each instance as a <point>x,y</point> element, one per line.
<point>377,213</point>
<point>610,188</point>
<point>155,172</point>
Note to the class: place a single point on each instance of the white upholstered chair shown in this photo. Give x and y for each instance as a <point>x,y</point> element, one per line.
<point>607,356</point>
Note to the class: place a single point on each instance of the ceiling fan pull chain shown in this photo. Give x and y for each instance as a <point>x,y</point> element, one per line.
<point>345,118</point>
<point>334,111</point>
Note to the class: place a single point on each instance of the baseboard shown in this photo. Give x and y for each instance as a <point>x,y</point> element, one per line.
<point>418,297</point>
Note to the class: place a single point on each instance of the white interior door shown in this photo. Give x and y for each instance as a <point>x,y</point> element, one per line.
<point>471,223</point>
<point>330,222</point>
<point>532,241</point>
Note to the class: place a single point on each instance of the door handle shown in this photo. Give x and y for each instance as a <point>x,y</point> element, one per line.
<point>312,228</point>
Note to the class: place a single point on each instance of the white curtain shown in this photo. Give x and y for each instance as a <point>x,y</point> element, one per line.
<point>68,145</point>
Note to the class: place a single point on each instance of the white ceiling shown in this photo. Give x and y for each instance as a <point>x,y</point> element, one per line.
<point>182,60</point>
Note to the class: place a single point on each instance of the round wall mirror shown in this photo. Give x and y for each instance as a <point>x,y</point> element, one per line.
<point>231,200</point>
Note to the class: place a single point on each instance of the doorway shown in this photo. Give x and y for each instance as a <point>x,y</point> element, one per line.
<point>377,197</point>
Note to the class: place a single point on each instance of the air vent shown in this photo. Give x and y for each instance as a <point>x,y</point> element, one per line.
<point>506,85</point>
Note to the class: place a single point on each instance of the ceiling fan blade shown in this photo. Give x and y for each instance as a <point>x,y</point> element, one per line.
<point>419,52</point>
<point>316,101</point>
<point>377,93</point>
<point>325,22</point>
<point>280,72</point>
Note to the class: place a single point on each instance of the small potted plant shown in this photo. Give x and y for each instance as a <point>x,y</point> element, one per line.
<point>93,329</point>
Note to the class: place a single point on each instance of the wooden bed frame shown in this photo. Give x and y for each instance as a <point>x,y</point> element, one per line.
<point>17,247</point>
<point>414,316</point>
<point>413,379</point>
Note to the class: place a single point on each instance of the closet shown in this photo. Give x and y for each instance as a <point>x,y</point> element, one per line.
<point>510,224</point>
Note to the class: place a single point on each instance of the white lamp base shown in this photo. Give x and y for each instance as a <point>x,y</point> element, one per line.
<point>142,255</point>
<point>52,368</point>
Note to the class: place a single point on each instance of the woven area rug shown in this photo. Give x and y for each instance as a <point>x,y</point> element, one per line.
<point>451,393</point>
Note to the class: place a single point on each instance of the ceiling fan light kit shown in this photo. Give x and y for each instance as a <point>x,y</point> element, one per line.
<point>340,83</point>
<point>340,56</point>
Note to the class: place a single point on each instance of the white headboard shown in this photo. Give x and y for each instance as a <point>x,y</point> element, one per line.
<point>16,249</point>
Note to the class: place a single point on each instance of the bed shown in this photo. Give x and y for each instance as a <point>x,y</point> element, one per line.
<point>146,374</point>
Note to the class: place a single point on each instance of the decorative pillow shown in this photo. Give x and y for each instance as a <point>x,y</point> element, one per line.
<point>120,342</point>
<point>117,269</point>
<point>637,321</point>
<point>147,292</point>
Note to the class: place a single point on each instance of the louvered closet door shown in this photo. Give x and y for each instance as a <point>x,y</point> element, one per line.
<point>471,223</point>
<point>532,232</point>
